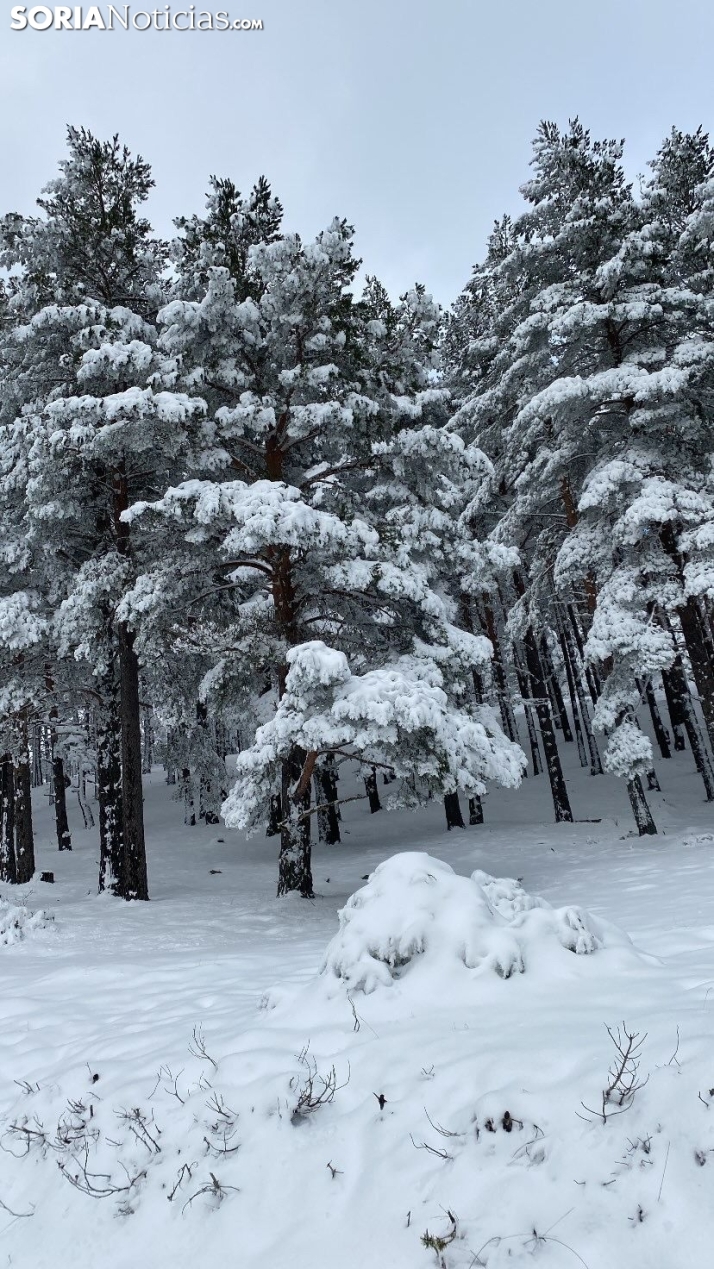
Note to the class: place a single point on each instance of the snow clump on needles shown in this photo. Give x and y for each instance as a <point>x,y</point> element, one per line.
<point>17,922</point>
<point>416,921</point>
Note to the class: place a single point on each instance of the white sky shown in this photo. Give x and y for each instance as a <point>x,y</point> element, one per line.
<point>412,118</point>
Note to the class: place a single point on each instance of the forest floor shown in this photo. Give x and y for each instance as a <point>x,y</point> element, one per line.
<point>147,1100</point>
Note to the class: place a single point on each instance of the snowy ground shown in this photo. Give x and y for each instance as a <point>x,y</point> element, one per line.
<point>99,1010</point>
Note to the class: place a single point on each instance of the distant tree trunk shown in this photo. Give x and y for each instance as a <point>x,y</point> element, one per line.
<point>59,794</point>
<point>574,703</point>
<point>508,718</point>
<point>676,715</point>
<point>372,789</point>
<point>475,810</point>
<point>133,882</point>
<point>8,870</point>
<point>684,710</point>
<point>523,688</point>
<point>591,677</point>
<point>326,799</point>
<point>660,731</point>
<point>147,755</point>
<point>59,781</point>
<point>169,761</point>
<point>274,807</point>
<point>640,809</point>
<point>452,807</point>
<point>189,809</point>
<point>85,809</point>
<point>556,696</point>
<point>109,792</point>
<point>695,636</point>
<point>558,788</point>
<point>38,775</point>
<point>575,659</point>
<point>295,862</point>
<point>24,838</point>
<point>207,801</point>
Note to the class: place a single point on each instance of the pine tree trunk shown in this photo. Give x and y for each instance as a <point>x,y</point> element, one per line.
<point>8,870</point>
<point>189,809</point>
<point>575,661</point>
<point>38,776</point>
<point>147,755</point>
<point>326,797</point>
<point>558,788</point>
<point>684,709</point>
<point>111,843</point>
<point>508,718</point>
<point>660,731</point>
<point>295,862</point>
<point>556,696</point>
<point>570,678</point>
<point>24,838</point>
<point>274,809</point>
<point>676,715</point>
<point>452,807</point>
<point>206,798</point>
<point>695,637</point>
<point>702,668</point>
<point>372,789</point>
<point>82,802</point>
<point>475,810</point>
<point>133,884</point>
<point>640,809</point>
<point>591,678</point>
<point>59,789</point>
<point>523,688</point>
<point>59,783</point>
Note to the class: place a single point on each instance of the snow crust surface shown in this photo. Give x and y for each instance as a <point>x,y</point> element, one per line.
<point>268,1084</point>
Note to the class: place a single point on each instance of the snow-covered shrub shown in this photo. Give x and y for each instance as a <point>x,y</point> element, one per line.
<point>17,922</point>
<point>416,912</point>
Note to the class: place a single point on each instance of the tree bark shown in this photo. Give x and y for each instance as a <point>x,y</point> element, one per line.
<point>676,678</point>
<point>372,789</point>
<point>643,816</point>
<point>660,731</point>
<point>574,651</point>
<point>475,810</point>
<point>133,883</point>
<point>24,839</point>
<point>109,794</point>
<point>570,677</point>
<point>539,692</point>
<point>8,871</point>
<point>59,795</point>
<point>295,862</point>
<point>556,696</point>
<point>676,715</point>
<point>523,688</point>
<point>508,718</point>
<point>326,797</point>
<point>452,807</point>
<point>695,637</point>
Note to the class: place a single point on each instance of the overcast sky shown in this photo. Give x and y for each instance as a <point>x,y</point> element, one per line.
<point>410,117</point>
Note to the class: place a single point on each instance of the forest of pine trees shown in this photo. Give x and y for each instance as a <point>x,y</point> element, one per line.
<point>250,505</point>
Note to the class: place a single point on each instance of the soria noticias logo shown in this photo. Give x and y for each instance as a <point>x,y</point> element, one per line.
<point>122,17</point>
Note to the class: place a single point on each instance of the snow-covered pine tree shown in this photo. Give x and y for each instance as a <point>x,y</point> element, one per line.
<point>90,435</point>
<point>317,536</point>
<point>585,385</point>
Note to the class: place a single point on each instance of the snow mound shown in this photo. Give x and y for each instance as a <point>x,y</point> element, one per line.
<point>16,922</point>
<point>415,915</point>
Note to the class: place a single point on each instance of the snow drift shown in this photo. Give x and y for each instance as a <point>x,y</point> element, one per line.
<point>416,916</point>
<point>17,922</point>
